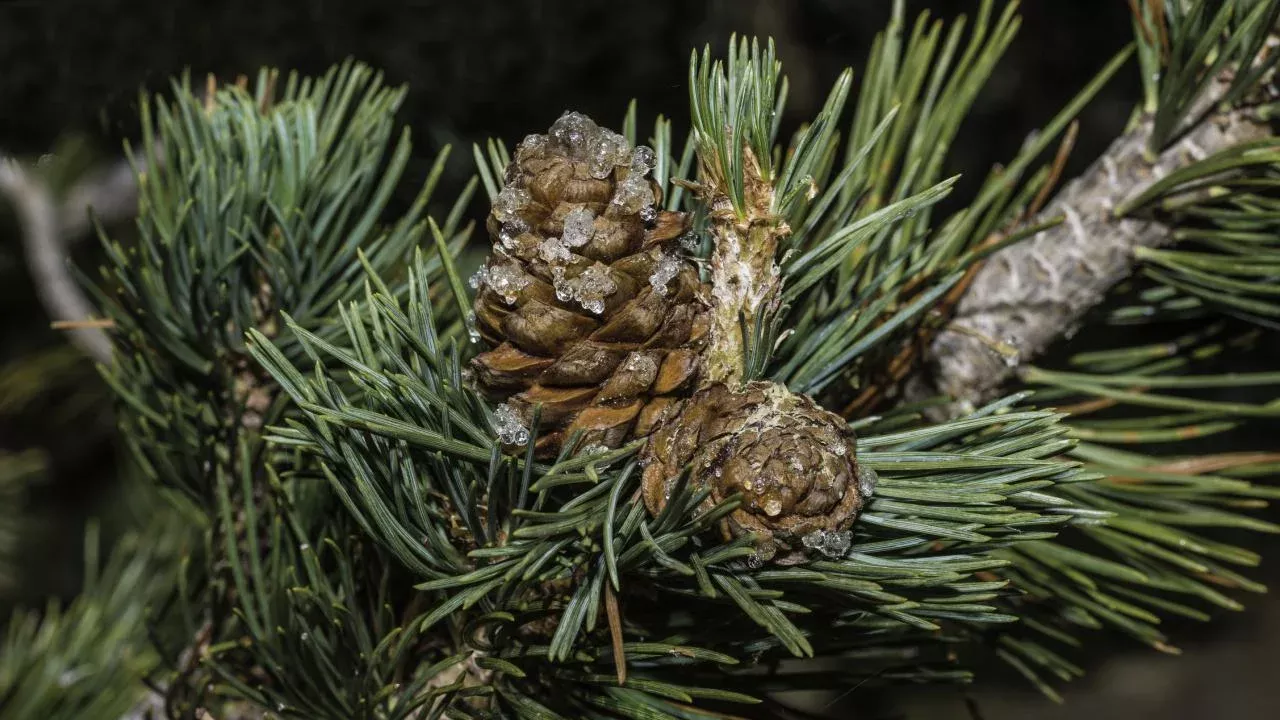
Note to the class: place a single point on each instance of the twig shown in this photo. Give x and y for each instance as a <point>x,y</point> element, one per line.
<point>1032,293</point>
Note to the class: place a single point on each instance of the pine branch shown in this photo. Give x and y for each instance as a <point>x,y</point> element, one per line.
<point>1032,293</point>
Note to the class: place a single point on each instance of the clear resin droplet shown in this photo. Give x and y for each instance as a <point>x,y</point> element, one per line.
<point>507,424</point>
<point>640,363</point>
<point>509,202</point>
<point>607,152</point>
<point>472,333</point>
<point>664,272</point>
<point>773,507</point>
<point>507,281</point>
<point>574,133</point>
<point>642,159</point>
<point>554,252</point>
<point>579,225</point>
<point>830,544</point>
<point>633,194</point>
<point>867,481</point>
<point>510,231</point>
<point>593,286</point>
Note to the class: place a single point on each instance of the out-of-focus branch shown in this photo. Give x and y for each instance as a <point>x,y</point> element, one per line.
<point>48,227</point>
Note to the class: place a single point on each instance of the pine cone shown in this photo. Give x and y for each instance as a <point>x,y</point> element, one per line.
<point>793,462</point>
<point>587,304</point>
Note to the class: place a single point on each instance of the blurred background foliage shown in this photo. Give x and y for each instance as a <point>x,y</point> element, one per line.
<point>70,73</point>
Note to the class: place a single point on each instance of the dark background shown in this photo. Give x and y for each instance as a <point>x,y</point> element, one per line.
<point>479,69</point>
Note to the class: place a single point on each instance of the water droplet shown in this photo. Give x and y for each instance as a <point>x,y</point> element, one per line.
<point>773,507</point>
<point>649,213</point>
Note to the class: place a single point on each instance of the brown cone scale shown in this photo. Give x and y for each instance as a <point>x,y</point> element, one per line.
<point>588,308</point>
<point>793,463</point>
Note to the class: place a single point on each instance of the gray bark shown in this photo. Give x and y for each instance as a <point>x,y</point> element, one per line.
<point>1030,294</point>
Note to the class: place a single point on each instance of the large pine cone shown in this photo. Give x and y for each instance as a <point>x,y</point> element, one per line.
<point>793,462</point>
<point>588,305</point>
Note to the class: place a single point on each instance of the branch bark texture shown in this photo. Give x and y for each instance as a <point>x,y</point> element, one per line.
<point>1028,295</point>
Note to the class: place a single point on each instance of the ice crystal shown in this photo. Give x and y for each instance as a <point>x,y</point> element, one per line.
<point>664,272</point>
<point>507,424</point>
<point>830,543</point>
<point>579,224</point>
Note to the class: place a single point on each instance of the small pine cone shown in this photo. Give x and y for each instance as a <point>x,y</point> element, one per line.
<point>793,462</point>
<point>586,302</point>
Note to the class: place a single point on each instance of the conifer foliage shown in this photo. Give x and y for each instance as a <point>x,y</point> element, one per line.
<point>699,432</point>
